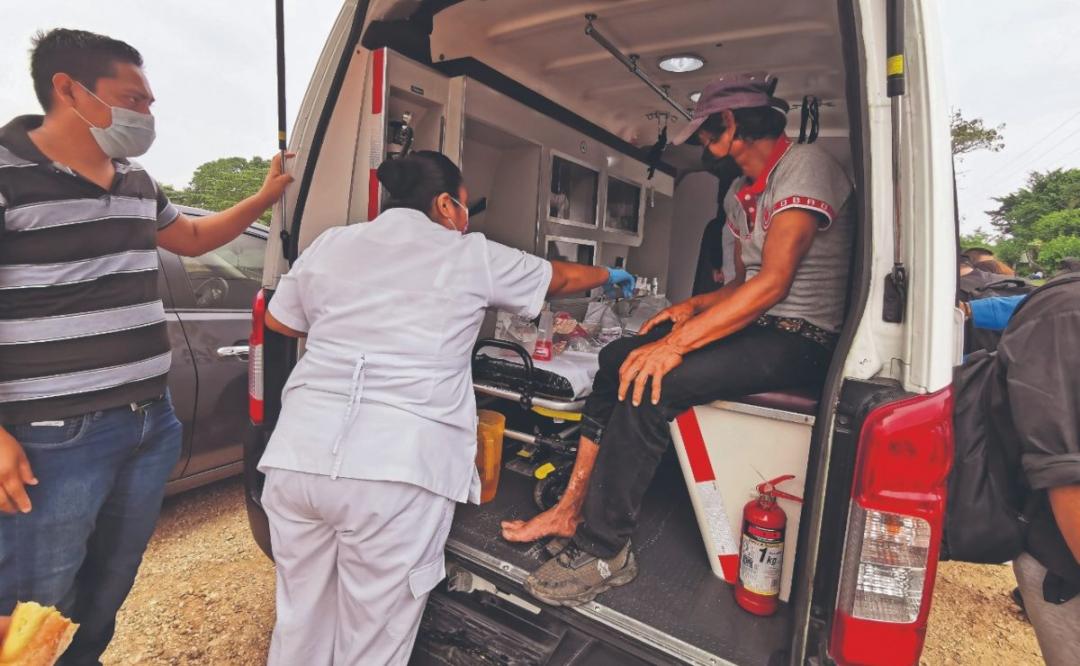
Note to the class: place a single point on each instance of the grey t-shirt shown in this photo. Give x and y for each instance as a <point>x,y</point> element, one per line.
<point>800,176</point>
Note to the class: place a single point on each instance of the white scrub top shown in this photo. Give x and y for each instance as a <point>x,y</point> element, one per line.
<point>392,309</point>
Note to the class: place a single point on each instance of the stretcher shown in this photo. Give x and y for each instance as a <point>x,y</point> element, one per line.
<point>550,410</point>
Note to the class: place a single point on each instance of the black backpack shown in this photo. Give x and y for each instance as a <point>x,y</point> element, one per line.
<point>988,504</point>
<point>981,338</point>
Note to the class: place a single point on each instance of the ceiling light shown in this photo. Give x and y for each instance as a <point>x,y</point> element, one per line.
<point>695,96</point>
<point>682,63</point>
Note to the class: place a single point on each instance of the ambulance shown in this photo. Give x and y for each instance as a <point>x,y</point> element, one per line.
<point>556,111</point>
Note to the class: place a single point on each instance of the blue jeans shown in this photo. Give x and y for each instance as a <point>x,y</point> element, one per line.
<point>101,482</point>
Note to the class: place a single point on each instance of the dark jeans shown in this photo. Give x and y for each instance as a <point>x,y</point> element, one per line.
<point>101,481</point>
<point>632,439</point>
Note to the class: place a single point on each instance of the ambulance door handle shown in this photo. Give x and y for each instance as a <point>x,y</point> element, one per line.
<point>238,352</point>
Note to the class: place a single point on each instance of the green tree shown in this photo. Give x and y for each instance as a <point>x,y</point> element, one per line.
<point>1045,193</point>
<point>971,134</point>
<point>1053,251</point>
<point>978,238</point>
<point>222,183</point>
<point>1058,223</point>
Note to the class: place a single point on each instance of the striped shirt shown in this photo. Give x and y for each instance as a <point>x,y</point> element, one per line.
<point>82,326</point>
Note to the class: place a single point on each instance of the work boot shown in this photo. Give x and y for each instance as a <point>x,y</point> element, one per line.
<point>575,577</point>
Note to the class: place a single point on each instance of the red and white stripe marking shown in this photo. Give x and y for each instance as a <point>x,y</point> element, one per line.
<point>378,86</point>
<point>725,546</point>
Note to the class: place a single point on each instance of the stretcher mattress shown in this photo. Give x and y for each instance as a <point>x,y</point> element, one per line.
<point>568,376</point>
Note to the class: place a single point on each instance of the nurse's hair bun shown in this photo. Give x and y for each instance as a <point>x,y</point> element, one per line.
<point>414,181</point>
<point>399,176</point>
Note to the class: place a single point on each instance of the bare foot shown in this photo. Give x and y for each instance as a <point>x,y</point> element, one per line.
<point>553,522</point>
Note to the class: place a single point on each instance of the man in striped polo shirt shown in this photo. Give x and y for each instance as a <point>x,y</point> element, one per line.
<point>88,434</point>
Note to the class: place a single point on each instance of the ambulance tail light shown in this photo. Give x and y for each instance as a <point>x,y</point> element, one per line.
<point>255,359</point>
<point>894,532</point>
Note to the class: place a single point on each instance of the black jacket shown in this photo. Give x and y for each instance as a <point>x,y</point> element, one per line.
<point>1039,350</point>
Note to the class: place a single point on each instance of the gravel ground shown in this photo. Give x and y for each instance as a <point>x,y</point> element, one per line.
<point>205,595</point>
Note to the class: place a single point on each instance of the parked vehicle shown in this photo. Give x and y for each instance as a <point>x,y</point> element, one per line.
<point>208,306</point>
<point>521,96</point>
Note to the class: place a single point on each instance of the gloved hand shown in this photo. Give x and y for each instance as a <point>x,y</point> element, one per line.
<point>619,280</point>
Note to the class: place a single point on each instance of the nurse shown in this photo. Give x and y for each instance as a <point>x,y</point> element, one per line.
<point>377,435</point>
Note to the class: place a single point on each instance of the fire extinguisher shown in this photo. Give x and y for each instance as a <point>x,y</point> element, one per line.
<point>761,552</point>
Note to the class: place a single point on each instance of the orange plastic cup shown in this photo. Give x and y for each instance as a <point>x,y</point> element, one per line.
<point>489,446</point>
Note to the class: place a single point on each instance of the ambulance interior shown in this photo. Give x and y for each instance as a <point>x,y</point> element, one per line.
<point>553,131</point>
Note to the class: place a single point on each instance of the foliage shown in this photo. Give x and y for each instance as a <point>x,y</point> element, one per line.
<point>1053,251</point>
<point>979,238</point>
<point>222,183</point>
<point>1045,193</point>
<point>1058,223</point>
<point>970,134</point>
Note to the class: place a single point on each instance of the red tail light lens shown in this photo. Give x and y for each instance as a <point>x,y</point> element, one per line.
<point>894,532</point>
<point>255,358</point>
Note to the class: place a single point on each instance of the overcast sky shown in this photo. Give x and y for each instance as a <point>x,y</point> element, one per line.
<point>211,64</point>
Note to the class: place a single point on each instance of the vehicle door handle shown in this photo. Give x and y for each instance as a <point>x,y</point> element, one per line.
<point>239,351</point>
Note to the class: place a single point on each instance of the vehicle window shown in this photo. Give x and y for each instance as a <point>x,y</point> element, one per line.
<point>227,278</point>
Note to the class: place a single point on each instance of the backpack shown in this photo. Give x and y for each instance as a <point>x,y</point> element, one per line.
<point>988,505</point>
<point>977,288</point>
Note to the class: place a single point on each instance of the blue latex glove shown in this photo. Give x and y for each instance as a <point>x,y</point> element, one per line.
<point>619,280</point>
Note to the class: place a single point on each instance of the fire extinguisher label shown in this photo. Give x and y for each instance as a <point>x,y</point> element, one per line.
<point>760,565</point>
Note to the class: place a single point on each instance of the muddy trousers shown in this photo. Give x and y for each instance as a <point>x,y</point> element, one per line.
<point>355,563</point>
<point>1057,626</point>
<point>633,439</point>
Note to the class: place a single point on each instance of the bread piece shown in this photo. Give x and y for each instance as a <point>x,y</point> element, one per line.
<point>37,636</point>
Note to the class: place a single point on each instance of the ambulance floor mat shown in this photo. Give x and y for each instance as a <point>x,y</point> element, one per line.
<point>675,591</point>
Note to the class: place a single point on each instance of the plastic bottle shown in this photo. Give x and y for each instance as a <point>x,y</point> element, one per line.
<point>545,332</point>
<point>489,445</point>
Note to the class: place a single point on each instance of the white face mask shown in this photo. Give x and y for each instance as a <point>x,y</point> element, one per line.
<point>464,229</point>
<point>131,133</point>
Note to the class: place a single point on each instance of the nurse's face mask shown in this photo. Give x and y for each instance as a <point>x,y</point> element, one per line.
<point>465,228</point>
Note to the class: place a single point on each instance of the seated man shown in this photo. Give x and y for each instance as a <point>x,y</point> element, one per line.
<point>771,328</point>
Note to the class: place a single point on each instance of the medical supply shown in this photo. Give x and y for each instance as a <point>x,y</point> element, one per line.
<point>489,445</point>
<point>544,334</point>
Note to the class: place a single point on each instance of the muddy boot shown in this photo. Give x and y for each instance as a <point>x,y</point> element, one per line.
<point>575,577</point>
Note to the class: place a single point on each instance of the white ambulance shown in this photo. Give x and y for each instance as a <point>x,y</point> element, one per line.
<point>539,98</point>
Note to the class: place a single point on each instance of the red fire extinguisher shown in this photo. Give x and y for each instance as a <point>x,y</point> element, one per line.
<point>761,553</point>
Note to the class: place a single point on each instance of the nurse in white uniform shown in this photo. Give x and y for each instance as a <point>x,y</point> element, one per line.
<point>377,435</point>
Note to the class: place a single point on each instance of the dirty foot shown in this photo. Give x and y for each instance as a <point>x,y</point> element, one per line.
<point>553,522</point>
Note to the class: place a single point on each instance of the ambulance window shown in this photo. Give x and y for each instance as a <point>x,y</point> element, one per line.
<point>574,190</point>
<point>571,251</point>
<point>623,206</point>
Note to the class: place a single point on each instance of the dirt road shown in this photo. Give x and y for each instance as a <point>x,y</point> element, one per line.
<point>205,595</point>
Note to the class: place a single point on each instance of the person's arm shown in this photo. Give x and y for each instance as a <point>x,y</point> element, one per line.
<point>680,313</point>
<point>274,325</point>
<point>569,278</point>
<point>789,239</point>
<point>1065,502</point>
<point>994,313</point>
<point>191,237</point>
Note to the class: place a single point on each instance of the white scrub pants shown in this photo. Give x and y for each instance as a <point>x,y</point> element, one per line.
<point>355,563</point>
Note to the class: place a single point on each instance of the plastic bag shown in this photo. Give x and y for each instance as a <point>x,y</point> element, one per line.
<point>519,330</point>
<point>602,322</point>
<point>642,310</point>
